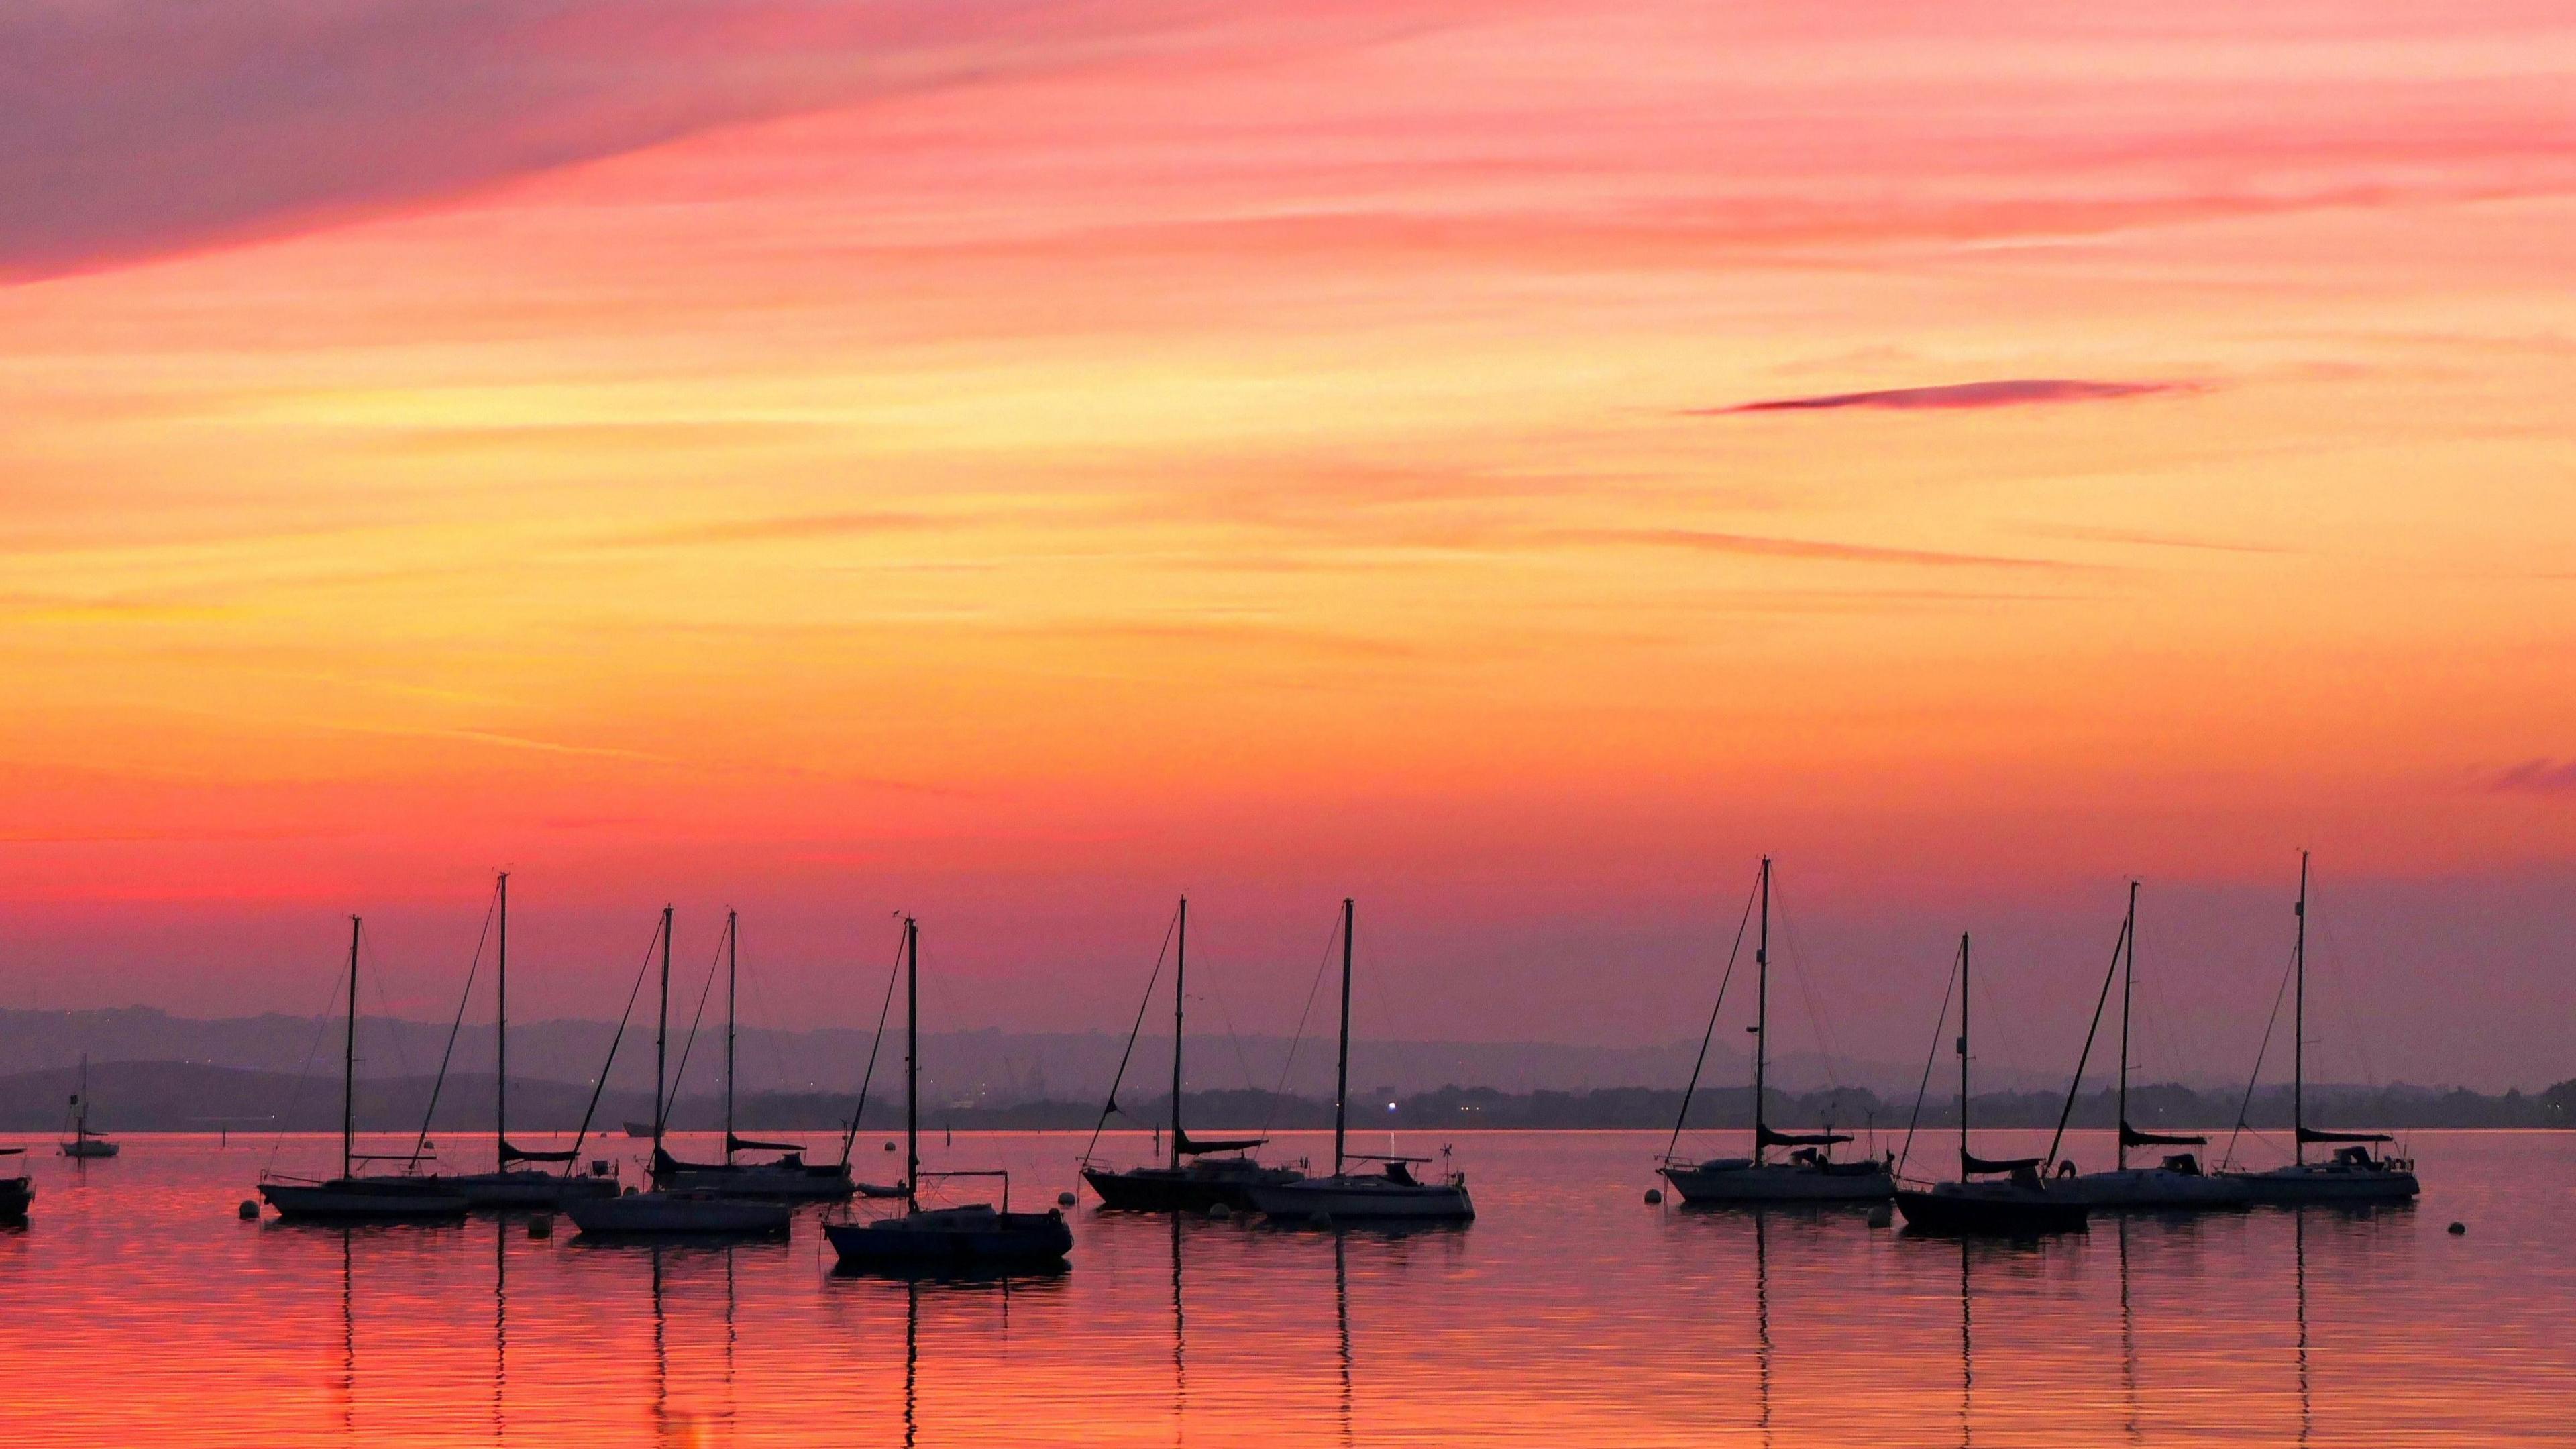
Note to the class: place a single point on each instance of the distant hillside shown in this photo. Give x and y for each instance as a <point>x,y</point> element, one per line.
<point>987,1066</point>
<point>195,1097</point>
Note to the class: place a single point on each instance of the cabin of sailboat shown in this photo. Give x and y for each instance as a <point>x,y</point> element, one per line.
<point>969,1238</point>
<point>1202,1172</point>
<point>2352,1173</point>
<point>1393,1193</point>
<point>1809,1173</point>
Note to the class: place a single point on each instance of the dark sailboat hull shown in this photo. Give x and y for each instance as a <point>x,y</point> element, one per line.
<point>1742,1183</point>
<point>15,1195</point>
<point>1188,1190</point>
<point>1989,1215</point>
<point>408,1200</point>
<point>804,1183</point>
<point>2327,1183</point>
<point>952,1240</point>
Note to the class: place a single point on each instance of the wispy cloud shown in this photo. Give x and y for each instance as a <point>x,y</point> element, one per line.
<point>1996,393</point>
<point>767,530</point>
<point>1765,546</point>
<point>2143,539</point>
<point>2537,777</point>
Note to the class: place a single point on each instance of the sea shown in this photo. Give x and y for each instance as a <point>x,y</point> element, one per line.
<point>137,1308</point>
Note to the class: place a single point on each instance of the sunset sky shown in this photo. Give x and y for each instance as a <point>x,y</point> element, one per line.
<point>1512,463</point>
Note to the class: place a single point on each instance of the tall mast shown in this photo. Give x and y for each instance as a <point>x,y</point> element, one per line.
<point>501,1041</point>
<point>733,947</point>
<point>349,1061</point>
<point>1180,982</point>
<point>1761,1008</point>
<point>1342,1070</point>
<point>1963,1054</point>
<point>2299,1026</point>
<point>911,1064</point>
<point>2128,978</point>
<point>662,1036</point>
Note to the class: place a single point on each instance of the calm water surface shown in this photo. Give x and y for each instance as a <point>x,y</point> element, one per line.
<point>140,1311</point>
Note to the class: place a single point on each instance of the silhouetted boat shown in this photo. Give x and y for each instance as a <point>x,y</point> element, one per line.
<point>2019,1205</point>
<point>15,1192</point>
<point>663,1212</point>
<point>388,1197</point>
<point>2175,1184</point>
<point>974,1237</point>
<point>788,1177</point>
<point>83,1142</point>
<point>2352,1174</point>
<point>1809,1173</point>
<point>1203,1171</point>
<point>639,1129</point>
<point>1392,1193</point>
<point>510,1184</point>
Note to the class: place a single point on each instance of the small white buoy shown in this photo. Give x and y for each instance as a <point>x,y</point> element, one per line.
<point>1218,1212</point>
<point>1064,1199</point>
<point>1654,1197</point>
<point>2457,1229</point>
<point>1882,1216</point>
<point>249,1209</point>
<point>542,1226</point>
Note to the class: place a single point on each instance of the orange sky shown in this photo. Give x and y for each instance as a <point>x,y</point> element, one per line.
<point>1019,463</point>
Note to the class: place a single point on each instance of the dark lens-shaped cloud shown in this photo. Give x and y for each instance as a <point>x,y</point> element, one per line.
<point>1999,393</point>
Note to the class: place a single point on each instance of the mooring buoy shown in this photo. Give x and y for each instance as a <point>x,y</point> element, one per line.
<point>249,1209</point>
<point>1654,1197</point>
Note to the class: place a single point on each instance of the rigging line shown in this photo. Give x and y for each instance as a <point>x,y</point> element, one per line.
<point>596,1088</point>
<point>2110,974</point>
<point>1700,1061</point>
<point>384,1004</point>
<point>713,966</point>
<point>1161,954</point>
<point>1242,1059</point>
<point>884,1010</point>
<point>1816,1021</point>
<point>420,1144</point>
<point>2270,1024</point>
<point>1948,988</point>
<point>2335,978</point>
<point>295,1099</point>
<point>1279,1093</point>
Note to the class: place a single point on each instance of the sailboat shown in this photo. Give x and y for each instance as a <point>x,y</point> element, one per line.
<point>1391,1194</point>
<point>2177,1182</point>
<point>2020,1205</point>
<point>672,1210</point>
<point>978,1236</point>
<point>1809,1173</point>
<point>83,1142</point>
<point>511,1184</point>
<point>788,1177</point>
<point>16,1193</point>
<point>2353,1174</point>
<point>1202,1171</point>
<point>349,1196</point>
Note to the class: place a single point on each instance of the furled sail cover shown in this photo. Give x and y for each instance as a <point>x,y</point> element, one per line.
<point>745,1144</point>
<point>1192,1146</point>
<point>521,1154</point>
<point>1970,1162</point>
<point>2132,1137</point>
<point>665,1164</point>
<point>2311,1134</point>
<point>1769,1138</point>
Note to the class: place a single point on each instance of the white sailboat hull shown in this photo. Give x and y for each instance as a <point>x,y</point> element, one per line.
<point>670,1213</point>
<point>2327,1182</point>
<point>2152,1188</point>
<point>1739,1180</point>
<point>1358,1198</point>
